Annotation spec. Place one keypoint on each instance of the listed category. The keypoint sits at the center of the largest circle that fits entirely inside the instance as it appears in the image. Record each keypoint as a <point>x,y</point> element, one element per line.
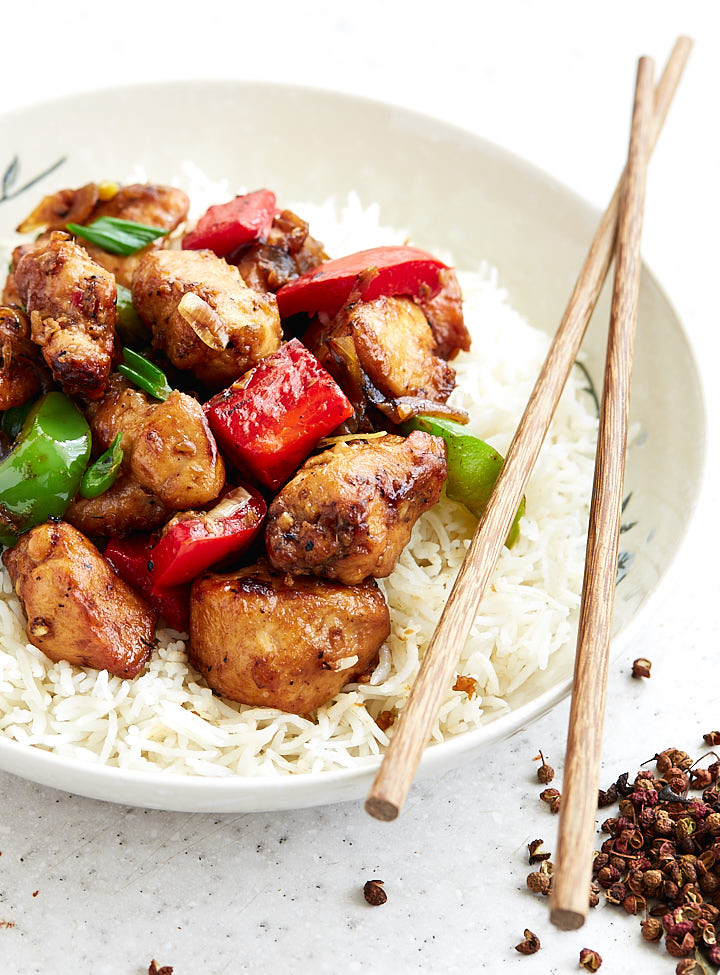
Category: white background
<point>117,886</point>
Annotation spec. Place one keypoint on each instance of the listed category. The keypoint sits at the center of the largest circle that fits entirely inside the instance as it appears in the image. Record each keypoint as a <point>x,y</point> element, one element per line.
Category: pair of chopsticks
<point>621,220</point>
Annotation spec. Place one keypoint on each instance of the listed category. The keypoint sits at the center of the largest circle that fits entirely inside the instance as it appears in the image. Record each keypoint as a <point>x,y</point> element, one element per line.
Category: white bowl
<point>452,190</point>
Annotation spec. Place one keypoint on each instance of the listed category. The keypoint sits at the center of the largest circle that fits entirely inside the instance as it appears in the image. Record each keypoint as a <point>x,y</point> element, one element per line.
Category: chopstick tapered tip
<point>565,919</point>
<point>381,809</point>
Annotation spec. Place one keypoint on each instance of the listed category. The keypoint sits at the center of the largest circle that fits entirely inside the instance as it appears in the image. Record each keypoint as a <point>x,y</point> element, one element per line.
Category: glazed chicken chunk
<point>77,608</point>
<point>20,371</point>
<point>125,507</point>
<point>168,447</point>
<point>71,303</point>
<point>395,347</point>
<point>444,312</point>
<point>156,206</point>
<point>203,316</point>
<point>10,294</point>
<point>349,511</point>
<point>284,642</point>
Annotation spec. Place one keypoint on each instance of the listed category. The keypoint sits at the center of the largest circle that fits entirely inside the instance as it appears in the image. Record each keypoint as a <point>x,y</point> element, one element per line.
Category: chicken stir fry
<point>124,508</point>
<point>395,348</point>
<point>283,641</point>
<point>203,316</point>
<point>77,608</point>
<point>21,377</point>
<point>348,512</point>
<point>167,446</point>
<point>166,390</point>
<point>71,303</point>
<point>164,207</point>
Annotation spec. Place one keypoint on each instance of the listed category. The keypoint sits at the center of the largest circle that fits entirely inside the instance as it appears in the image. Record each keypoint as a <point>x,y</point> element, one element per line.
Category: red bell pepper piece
<point>189,545</point>
<point>228,225</point>
<point>271,418</point>
<point>129,557</point>
<point>400,271</point>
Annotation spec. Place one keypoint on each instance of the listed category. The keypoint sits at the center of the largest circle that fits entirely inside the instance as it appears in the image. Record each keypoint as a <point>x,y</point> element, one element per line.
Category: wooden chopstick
<point>571,881</point>
<point>395,775</point>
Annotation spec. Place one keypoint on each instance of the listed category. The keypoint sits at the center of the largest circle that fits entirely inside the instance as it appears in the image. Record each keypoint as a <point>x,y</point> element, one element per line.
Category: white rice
<point>168,719</point>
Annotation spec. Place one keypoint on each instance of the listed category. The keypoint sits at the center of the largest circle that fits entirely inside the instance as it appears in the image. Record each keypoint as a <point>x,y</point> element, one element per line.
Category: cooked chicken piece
<point>124,508</point>
<point>10,294</point>
<point>348,512</point>
<point>283,642</point>
<point>445,314</point>
<point>394,345</point>
<point>71,303</point>
<point>77,608</point>
<point>288,252</point>
<point>203,315</point>
<point>168,446</point>
<point>156,206</point>
<point>21,369</point>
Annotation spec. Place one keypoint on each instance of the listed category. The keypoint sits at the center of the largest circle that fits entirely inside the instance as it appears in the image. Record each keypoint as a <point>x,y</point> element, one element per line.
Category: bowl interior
<point>453,191</point>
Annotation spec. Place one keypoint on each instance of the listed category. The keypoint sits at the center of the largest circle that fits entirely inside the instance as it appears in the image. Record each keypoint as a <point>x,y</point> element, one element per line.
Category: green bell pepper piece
<point>129,326</point>
<point>473,467</point>
<point>101,474</point>
<point>41,475</point>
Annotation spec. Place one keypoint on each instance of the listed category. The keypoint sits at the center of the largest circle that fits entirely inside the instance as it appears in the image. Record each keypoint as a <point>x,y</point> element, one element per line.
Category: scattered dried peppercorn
<point>534,856</point>
<point>641,667</point>
<point>467,684</point>
<point>385,720</point>
<point>374,892</point>
<point>623,789</point>
<point>530,944</point>
<point>552,798</point>
<point>662,856</point>
<point>539,882</point>
<point>700,778</point>
<point>689,966</point>
<point>590,960</point>
<point>712,738</point>
<point>546,773</point>
<point>608,797</point>
<point>154,970</point>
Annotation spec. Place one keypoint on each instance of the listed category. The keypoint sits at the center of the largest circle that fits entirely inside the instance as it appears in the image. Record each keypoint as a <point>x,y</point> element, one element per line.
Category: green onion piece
<point>14,418</point>
<point>102,473</point>
<point>118,236</point>
<point>473,467</point>
<point>129,326</point>
<point>144,374</point>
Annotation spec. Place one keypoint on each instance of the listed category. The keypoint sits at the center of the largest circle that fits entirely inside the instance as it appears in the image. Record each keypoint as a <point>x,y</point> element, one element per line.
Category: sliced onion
<point>61,208</point>
<point>204,321</point>
<point>344,663</point>
<point>230,504</point>
<point>348,437</point>
<point>406,407</point>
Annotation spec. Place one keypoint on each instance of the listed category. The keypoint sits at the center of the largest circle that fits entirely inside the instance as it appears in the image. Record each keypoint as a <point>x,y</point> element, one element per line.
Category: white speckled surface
<point>218,894</point>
